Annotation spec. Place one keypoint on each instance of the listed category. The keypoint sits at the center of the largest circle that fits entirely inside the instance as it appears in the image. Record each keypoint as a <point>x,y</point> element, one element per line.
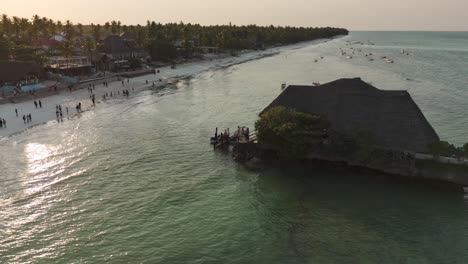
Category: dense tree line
<point>158,39</point>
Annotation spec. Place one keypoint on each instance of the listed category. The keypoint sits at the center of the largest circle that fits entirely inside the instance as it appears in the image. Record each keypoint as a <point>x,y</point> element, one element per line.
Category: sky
<point>430,15</point>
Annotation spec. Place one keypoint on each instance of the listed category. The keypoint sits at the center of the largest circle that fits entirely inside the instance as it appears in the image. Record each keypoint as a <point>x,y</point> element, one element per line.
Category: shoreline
<point>168,76</point>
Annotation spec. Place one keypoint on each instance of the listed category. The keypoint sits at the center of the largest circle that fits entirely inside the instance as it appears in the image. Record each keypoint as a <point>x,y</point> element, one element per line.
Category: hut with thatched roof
<point>391,117</point>
<point>16,71</point>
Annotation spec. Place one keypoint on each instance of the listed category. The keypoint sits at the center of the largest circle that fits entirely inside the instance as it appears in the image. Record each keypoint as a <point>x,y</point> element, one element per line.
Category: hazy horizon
<point>355,15</point>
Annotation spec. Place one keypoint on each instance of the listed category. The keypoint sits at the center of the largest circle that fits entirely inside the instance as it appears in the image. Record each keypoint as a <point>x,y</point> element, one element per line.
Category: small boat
<point>349,57</point>
<point>315,84</point>
<point>388,60</point>
<point>315,60</point>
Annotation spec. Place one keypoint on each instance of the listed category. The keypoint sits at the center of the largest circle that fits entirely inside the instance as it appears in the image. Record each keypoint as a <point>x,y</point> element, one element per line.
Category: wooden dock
<point>243,147</point>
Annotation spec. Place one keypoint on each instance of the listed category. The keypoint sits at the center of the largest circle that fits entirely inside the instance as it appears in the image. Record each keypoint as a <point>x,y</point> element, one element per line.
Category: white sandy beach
<point>47,113</point>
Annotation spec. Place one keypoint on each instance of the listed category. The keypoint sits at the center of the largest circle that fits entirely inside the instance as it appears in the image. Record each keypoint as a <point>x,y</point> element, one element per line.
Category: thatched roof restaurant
<point>392,117</point>
<point>14,71</point>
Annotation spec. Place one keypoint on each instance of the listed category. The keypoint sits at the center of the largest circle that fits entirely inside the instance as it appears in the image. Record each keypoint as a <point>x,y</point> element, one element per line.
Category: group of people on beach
<point>38,104</point>
<point>111,94</point>
<point>78,107</point>
<point>2,123</point>
<point>27,118</point>
<point>154,84</point>
<point>59,114</point>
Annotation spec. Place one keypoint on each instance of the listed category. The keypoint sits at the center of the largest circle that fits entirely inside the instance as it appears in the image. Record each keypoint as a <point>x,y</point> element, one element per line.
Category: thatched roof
<point>16,70</point>
<point>392,117</point>
<point>115,44</point>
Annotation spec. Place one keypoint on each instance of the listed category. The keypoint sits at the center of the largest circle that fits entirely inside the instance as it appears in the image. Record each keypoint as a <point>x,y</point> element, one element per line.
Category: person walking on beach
<point>35,104</point>
<point>40,104</point>
<point>57,115</point>
<point>1,123</point>
<point>4,123</point>
<point>24,119</point>
<point>16,112</point>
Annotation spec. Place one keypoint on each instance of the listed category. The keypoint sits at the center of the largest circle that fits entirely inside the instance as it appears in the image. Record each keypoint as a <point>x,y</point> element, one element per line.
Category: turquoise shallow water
<point>136,182</point>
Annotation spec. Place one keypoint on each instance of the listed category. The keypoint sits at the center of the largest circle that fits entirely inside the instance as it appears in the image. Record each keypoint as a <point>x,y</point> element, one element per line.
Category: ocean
<point>136,181</point>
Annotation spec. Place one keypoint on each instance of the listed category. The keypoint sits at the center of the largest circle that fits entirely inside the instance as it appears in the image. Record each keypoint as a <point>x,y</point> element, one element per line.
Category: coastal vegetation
<point>21,37</point>
<point>293,134</point>
<point>445,149</point>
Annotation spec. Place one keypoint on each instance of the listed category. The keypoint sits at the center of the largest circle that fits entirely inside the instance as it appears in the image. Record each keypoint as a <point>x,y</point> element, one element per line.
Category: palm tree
<point>89,44</point>
<point>59,26</point>
<point>5,48</point>
<point>6,25</point>
<point>51,27</point>
<point>66,48</point>
<point>107,27</point>
<point>25,29</point>
<point>16,27</point>
<point>114,27</point>
<point>80,29</point>
<point>119,27</point>
<point>69,30</point>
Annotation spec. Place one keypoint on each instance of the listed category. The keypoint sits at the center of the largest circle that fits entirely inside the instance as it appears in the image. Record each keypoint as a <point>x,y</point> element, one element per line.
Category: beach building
<point>18,77</point>
<point>69,66</point>
<point>397,137</point>
<point>116,52</point>
<point>392,117</point>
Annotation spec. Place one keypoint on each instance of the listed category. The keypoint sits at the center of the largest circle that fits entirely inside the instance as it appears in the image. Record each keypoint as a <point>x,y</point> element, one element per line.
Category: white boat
<point>388,60</point>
